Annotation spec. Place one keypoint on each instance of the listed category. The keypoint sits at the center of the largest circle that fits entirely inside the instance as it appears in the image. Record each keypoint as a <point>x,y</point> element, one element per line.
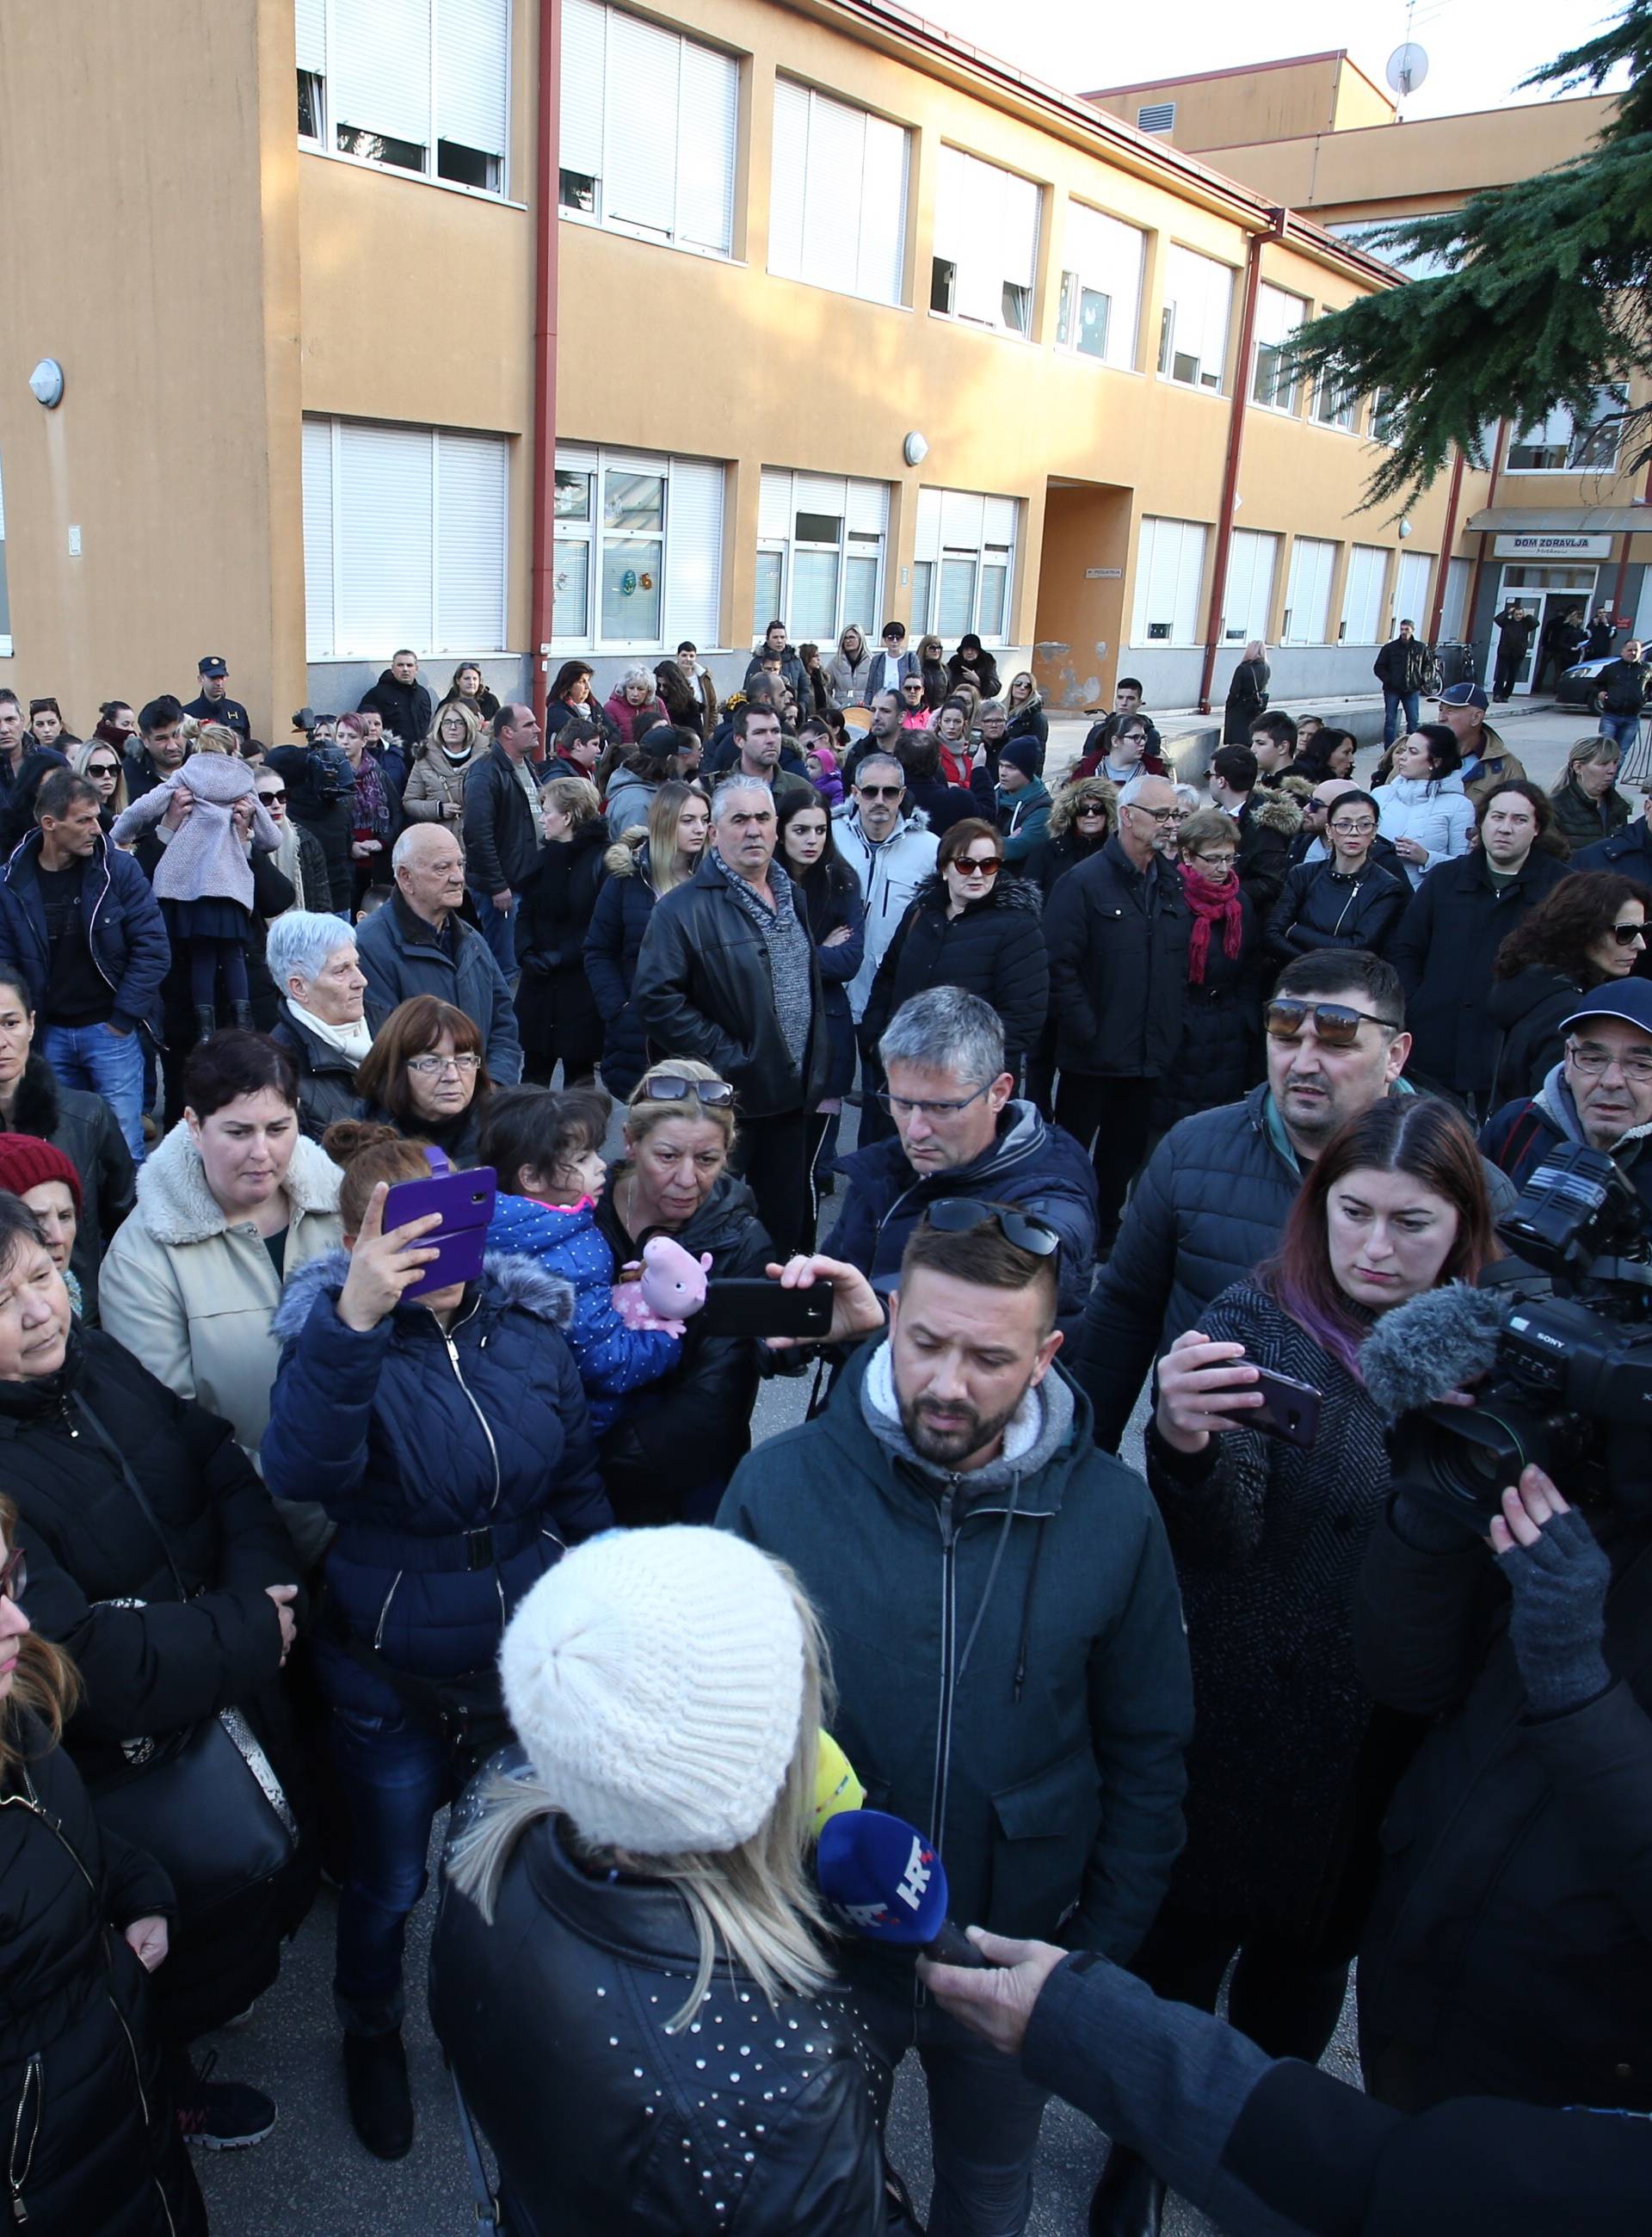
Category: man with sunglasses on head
<point>1006,1638</point>
<point>1599,1093</point>
<point>1214,1198</point>
<point>960,1130</point>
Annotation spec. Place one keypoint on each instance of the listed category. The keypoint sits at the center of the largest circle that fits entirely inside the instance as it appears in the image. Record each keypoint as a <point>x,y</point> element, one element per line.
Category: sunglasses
<point>14,1575</point>
<point>880,791</point>
<point>974,866</point>
<point>962,1215</point>
<point>671,1087</point>
<point>279,794</point>
<point>1627,934</point>
<point>1334,1024</point>
<point>103,769</point>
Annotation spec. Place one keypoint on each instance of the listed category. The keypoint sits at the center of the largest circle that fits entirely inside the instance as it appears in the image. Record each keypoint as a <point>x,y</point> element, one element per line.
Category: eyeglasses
<point>14,1575</point>
<point>880,791</point>
<point>912,683</point>
<point>280,792</point>
<point>1159,815</point>
<point>1224,861</point>
<point>961,1215</point>
<point>1354,830</point>
<point>910,1107</point>
<point>1627,934</point>
<point>1334,1023</point>
<point>428,1067</point>
<point>977,866</point>
<point>671,1087</point>
<point>1591,1060</point>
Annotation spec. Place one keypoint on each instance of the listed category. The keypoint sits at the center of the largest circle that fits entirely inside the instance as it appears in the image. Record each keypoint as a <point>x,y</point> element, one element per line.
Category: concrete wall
<point>1263,101</point>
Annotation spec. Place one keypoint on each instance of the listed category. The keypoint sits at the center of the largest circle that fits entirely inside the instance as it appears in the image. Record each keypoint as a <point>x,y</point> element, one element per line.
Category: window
<point>1559,445</point>
<point>1307,592</point>
<point>1170,572</point>
<point>986,245</point>
<point>1101,287</point>
<point>820,554</point>
<point>1412,581</point>
<point>1361,596</point>
<point>1156,116</point>
<point>1333,401</point>
<point>5,595</point>
<point>837,196</point>
<point>421,85</point>
<point>1382,429</point>
<point>1455,611</point>
<point>1277,317</point>
<point>965,555</point>
<point>405,540</point>
<point>638,551</point>
<point>650,125</point>
<point>1428,265</point>
<point>1192,332</point>
<point>1248,600</point>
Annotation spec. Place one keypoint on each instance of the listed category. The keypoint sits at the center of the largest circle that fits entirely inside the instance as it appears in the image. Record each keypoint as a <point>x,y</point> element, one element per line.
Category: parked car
<point>1578,686</point>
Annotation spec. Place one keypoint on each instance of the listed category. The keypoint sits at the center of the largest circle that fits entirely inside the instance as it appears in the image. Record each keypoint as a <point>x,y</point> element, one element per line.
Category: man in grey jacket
<point>417,944</point>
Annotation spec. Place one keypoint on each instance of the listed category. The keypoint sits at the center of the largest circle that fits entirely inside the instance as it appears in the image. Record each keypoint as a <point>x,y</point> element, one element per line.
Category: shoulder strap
<point>101,1437</point>
<point>487,2208</point>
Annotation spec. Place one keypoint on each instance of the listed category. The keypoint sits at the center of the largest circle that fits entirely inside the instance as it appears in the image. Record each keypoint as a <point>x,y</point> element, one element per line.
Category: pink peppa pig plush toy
<point>662,1290</point>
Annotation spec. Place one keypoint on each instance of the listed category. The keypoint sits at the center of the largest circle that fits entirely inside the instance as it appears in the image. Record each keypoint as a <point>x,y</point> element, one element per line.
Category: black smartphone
<point>741,1304</point>
<point>1291,1409</point>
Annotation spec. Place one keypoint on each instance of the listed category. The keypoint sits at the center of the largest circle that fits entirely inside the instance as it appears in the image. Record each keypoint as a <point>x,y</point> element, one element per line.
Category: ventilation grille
<point>1157,117</point>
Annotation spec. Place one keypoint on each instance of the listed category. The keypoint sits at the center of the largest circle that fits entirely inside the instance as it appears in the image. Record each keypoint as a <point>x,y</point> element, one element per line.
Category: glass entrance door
<point>1545,592</point>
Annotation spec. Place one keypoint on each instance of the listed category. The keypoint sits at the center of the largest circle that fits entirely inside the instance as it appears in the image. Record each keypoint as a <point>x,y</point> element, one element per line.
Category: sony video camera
<point>1570,1382</point>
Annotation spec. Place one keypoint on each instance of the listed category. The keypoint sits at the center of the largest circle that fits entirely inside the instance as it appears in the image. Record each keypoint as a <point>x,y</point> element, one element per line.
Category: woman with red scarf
<point>1217,1055</point>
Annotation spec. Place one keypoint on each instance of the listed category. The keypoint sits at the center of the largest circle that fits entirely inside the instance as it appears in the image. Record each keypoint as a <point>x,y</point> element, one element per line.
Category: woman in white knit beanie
<point>629,1977</point>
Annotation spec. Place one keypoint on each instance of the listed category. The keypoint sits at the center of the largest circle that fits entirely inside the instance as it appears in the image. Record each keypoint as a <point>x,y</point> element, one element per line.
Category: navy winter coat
<point>456,1465</point>
<point>624,902</point>
<point>123,928</point>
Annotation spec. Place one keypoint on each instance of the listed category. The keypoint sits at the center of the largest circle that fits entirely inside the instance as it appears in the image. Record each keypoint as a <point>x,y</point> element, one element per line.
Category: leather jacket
<point>750,2121</point>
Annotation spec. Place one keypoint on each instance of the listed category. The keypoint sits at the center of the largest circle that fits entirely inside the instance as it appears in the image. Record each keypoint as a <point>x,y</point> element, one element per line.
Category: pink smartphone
<point>466,1204</point>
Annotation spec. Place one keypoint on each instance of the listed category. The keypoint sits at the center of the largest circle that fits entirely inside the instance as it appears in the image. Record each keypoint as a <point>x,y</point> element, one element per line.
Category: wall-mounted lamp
<point>1405,528</point>
<point>916,449</point>
<point>47,383</point>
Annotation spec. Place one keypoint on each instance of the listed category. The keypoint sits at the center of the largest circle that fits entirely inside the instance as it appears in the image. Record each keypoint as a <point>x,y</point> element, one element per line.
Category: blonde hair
<point>1579,755</point>
<point>573,796</point>
<point>665,814</point>
<point>755,1901</point>
<point>81,756</point>
<point>642,1116</point>
<point>46,1683</point>
<point>215,739</point>
<point>466,714</point>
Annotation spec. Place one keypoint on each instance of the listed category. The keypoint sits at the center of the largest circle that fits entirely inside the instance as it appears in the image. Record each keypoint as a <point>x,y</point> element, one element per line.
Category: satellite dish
<point>1407,67</point>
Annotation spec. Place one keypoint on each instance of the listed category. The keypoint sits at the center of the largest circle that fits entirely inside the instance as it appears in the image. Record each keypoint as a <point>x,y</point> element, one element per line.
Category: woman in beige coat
<point>435,790</point>
<point>233,1200</point>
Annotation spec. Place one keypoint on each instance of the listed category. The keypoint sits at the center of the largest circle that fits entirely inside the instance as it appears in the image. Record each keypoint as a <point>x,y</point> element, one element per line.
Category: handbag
<point>205,1802</point>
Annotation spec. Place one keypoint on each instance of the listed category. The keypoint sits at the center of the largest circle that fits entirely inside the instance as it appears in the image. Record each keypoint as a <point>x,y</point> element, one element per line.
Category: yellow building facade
<point>833,319</point>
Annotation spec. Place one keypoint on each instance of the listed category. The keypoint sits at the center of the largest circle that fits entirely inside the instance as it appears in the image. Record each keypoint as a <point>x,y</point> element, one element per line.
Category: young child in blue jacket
<point>547,1149</point>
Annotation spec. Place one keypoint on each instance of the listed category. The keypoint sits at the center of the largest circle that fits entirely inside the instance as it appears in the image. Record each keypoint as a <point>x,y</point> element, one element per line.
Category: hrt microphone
<point>884,1881</point>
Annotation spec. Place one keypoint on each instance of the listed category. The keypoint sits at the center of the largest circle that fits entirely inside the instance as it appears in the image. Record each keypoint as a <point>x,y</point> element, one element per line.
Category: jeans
<point>984,2117</point>
<point>1625,728</point>
<point>498,931</point>
<point>109,1063</point>
<point>1393,701</point>
<point>394,1775</point>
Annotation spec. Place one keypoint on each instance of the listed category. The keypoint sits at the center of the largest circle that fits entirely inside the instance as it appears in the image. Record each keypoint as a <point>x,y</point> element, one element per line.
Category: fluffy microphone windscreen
<point>836,1787</point>
<point>882,1877</point>
<point>1435,1343</point>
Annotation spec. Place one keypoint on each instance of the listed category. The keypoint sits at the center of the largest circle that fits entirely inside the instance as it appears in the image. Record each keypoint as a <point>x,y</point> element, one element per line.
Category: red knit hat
<point>25,1161</point>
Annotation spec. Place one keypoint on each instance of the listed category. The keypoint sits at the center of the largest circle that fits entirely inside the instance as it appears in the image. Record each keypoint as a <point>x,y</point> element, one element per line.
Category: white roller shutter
<point>832,225</point>
<point>1170,566</point>
<point>381,68</point>
<point>1410,594</point>
<point>962,516</point>
<point>707,134</point>
<point>788,180</point>
<point>927,543</point>
<point>640,112</point>
<point>692,605</point>
<point>318,539</point>
<point>1457,599</point>
<point>1018,206</point>
<point>1307,592</point>
<point>473,73</point>
<point>309,36</point>
<point>1362,601</point>
<point>999,524</point>
<point>383,496</point>
<point>981,269</point>
<point>1251,556</point>
<point>868,509</point>
<point>817,493</point>
<point>951,225</point>
<point>472,487</point>
<point>773,505</point>
<point>883,187</point>
<point>584,36</point>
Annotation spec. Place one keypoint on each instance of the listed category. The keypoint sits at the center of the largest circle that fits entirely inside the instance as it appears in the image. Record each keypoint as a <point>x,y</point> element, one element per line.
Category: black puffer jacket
<point>1118,951</point>
<point>405,708</point>
<point>994,948</point>
<point>88,2142</point>
<point>1216,1055</point>
<point>613,941</point>
<point>551,921</point>
<point>1582,821</point>
<point>1444,950</point>
<point>1319,908</point>
<point>704,988</point>
<point>325,1077</point>
<point>1511,1946</point>
<point>752,2122</point>
<point>683,1438</point>
<point>1247,697</point>
<point>501,846</point>
<point>83,1127</point>
<point>1052,859</point>
<point>161,1642</point>
<point>1268,826</point>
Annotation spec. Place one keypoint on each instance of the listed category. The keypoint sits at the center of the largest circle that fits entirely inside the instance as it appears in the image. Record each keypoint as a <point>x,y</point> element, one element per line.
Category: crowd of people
<point>307,1532</point>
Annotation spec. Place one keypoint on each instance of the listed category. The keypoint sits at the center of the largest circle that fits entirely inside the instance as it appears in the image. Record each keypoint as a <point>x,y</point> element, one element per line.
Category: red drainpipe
<point>1480,556</point>
<point>542,563</point>
<point>1235,444</point>
<point>1443,571</point>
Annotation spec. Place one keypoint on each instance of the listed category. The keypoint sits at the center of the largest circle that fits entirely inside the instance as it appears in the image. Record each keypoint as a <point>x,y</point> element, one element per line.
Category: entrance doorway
<point>1548,592</point>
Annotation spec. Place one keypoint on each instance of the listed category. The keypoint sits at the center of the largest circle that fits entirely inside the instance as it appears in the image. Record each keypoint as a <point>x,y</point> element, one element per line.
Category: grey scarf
<point>788,949</point>
<point>1035,1433</point>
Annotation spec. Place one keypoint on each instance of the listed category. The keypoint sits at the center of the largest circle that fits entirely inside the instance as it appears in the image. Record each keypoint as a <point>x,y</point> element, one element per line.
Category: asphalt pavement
<point>310,2178</point>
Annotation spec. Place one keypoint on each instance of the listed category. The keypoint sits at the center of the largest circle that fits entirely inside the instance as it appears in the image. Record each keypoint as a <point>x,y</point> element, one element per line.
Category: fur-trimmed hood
<point>507,1279</point>
<point>628,857</point>
<point>1007,893</point>
<point>175,1205</point>
<point>1275,812</point>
